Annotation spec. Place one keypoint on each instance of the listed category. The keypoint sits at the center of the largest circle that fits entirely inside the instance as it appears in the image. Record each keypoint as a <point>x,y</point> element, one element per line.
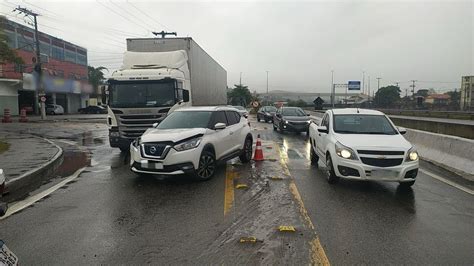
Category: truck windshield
<point>363,124</point>
<point>137,95</point>
<point>186,119</point>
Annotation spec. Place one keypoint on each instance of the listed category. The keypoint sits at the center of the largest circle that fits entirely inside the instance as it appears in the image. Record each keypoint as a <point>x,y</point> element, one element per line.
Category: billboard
<point>353,85</point>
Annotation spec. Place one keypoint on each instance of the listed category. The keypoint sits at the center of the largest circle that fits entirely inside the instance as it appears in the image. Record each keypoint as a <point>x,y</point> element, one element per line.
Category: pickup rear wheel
<point>246,155</point>
<point>330,174</point>
<point>207,166</point>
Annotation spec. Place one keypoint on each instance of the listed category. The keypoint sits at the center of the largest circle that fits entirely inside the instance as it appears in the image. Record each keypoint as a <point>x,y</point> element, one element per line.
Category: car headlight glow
<point>412,155</point>
<point>286,122</point>
<point>309,121</point>
<point>345,152</point>
<point>187,145</point>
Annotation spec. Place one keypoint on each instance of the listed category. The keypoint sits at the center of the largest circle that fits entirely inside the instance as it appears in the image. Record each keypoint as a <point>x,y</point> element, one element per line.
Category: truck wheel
<point>314,158</point>
<point>246,155</point>
<point>407,184</point>
<point>330,174</point>
<point>207,166</point>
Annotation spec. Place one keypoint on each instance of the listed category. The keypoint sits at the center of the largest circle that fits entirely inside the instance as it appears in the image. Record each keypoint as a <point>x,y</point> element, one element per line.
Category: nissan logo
<point>152,149</point>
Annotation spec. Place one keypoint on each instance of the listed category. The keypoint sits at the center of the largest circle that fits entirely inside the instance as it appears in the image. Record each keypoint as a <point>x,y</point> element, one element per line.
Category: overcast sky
<point>299,43</point>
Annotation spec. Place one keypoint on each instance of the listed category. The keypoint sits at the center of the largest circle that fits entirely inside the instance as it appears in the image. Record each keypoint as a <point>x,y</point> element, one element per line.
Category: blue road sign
<point>353,85</point>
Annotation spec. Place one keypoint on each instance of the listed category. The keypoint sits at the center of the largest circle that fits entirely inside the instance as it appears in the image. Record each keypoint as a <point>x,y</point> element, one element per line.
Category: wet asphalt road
<point>109,215</point>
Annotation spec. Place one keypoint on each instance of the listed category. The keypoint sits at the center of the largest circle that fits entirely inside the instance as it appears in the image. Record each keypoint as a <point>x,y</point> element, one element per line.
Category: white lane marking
<point>20,205</point>
<point>72,143</point>
<point>435,176</point>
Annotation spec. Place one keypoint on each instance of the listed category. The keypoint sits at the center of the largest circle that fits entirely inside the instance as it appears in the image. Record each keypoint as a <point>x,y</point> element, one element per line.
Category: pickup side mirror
<point>323,129</point>
<point>402,130</point>
<point>185,96</point>
<point>220,126</point>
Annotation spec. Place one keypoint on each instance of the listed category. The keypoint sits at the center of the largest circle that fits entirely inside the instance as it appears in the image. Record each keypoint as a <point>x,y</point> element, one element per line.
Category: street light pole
<point>332,88</point>
<point>268,96</point>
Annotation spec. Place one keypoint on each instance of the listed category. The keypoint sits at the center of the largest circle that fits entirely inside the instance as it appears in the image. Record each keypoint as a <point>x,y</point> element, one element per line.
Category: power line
<point>167,28</point>
<point>130,13</point>
<point>115,12</point>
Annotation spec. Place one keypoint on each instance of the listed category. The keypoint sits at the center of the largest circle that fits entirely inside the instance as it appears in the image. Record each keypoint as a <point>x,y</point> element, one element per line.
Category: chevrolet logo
<point>381,157</point>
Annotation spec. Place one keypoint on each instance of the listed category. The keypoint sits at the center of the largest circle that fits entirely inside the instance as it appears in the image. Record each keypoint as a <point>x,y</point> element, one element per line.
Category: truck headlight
<point>190,144</point>
<point>412,155</point>
<point>345,152</point>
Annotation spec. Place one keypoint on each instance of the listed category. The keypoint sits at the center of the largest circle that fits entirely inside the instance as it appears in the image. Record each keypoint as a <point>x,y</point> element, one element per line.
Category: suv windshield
<point>292,112</point>
<point>195,119</point>
<point>142,95</point>
<point>363,124</point>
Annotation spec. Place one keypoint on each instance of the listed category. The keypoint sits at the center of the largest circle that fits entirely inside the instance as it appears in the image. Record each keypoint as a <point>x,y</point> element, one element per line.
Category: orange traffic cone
<point>258,156</point>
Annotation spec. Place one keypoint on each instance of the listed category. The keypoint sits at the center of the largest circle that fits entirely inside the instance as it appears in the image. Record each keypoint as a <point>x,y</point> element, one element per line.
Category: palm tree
<point>96,77</point>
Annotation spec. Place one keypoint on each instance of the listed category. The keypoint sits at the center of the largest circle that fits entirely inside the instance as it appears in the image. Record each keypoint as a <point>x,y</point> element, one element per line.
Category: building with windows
<point>467,89</point>
<point>64,67</point>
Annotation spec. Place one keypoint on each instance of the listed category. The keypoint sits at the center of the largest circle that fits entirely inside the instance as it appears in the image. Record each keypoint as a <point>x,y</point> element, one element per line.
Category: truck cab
<point>143,91</point>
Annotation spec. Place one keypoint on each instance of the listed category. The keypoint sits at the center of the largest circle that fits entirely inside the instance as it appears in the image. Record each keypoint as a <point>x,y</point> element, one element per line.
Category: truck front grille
<point>133,126</point>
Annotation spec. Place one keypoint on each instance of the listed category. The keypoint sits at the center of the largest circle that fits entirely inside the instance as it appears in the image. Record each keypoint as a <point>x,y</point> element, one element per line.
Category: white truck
<point>157,76</point>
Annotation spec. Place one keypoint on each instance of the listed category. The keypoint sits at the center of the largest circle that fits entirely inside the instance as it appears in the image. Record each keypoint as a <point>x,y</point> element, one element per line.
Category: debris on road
<point>249,239</point>
<point>286,228</point>
<point>241,186</point>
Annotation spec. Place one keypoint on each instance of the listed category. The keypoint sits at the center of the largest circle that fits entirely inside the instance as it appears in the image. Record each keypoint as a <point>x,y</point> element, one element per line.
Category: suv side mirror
<point>323,129</point>
<point>185,96</point>
<point>402,130</point>
<point>220,126</point>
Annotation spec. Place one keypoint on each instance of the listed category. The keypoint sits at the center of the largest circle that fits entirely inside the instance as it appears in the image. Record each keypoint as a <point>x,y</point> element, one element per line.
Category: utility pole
<point>332,89</point>
<point>413,87</point>
<point>164,33</point>
<point>267,82</point>
<point>368,87</point>
<point>240,80</point>
<point>378,83</point>
<point>268,96</point>
<point>363,82</point>
<point>37,67</point>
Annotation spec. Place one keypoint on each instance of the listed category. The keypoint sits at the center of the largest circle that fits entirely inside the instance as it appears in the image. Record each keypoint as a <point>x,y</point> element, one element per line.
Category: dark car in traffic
<point>266,113</point>
<point>291,119</point>
<point>92,109</point>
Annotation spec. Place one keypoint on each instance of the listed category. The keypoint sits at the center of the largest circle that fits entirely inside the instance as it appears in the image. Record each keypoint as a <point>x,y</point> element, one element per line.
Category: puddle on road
<point>72,161</point>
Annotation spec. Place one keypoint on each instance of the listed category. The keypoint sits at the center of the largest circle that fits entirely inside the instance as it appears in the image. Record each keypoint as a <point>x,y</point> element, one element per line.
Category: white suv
<point>363,145</point>
<point>192,140</point>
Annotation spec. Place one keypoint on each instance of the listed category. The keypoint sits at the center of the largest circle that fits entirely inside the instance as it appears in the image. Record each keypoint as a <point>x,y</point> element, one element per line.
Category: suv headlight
<point>412,155</point>
<point>136,142</point>
<point>345,152</point>
<point>190,144</point>
<point>286,122</point>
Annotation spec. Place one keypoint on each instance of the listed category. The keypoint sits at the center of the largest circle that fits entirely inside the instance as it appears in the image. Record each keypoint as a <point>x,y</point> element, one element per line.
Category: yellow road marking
<point>229,189</point>
<point>317,254</point>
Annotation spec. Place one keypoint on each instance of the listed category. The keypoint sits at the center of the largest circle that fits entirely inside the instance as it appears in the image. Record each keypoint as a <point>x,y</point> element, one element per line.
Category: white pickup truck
<point>363,144</point>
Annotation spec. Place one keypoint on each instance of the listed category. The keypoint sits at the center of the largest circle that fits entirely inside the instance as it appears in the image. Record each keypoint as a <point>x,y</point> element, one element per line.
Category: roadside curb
<point>20,186</point>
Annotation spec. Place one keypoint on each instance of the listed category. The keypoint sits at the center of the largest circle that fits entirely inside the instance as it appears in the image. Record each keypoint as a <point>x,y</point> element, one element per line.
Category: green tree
<point>96,76</point>
<point>455,98</point>
<point>387,96</point>
<point>7,55</point>
<point>239,95</point>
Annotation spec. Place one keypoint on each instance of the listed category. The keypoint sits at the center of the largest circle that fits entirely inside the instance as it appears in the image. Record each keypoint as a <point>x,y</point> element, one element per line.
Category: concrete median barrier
<point>453,153</point>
